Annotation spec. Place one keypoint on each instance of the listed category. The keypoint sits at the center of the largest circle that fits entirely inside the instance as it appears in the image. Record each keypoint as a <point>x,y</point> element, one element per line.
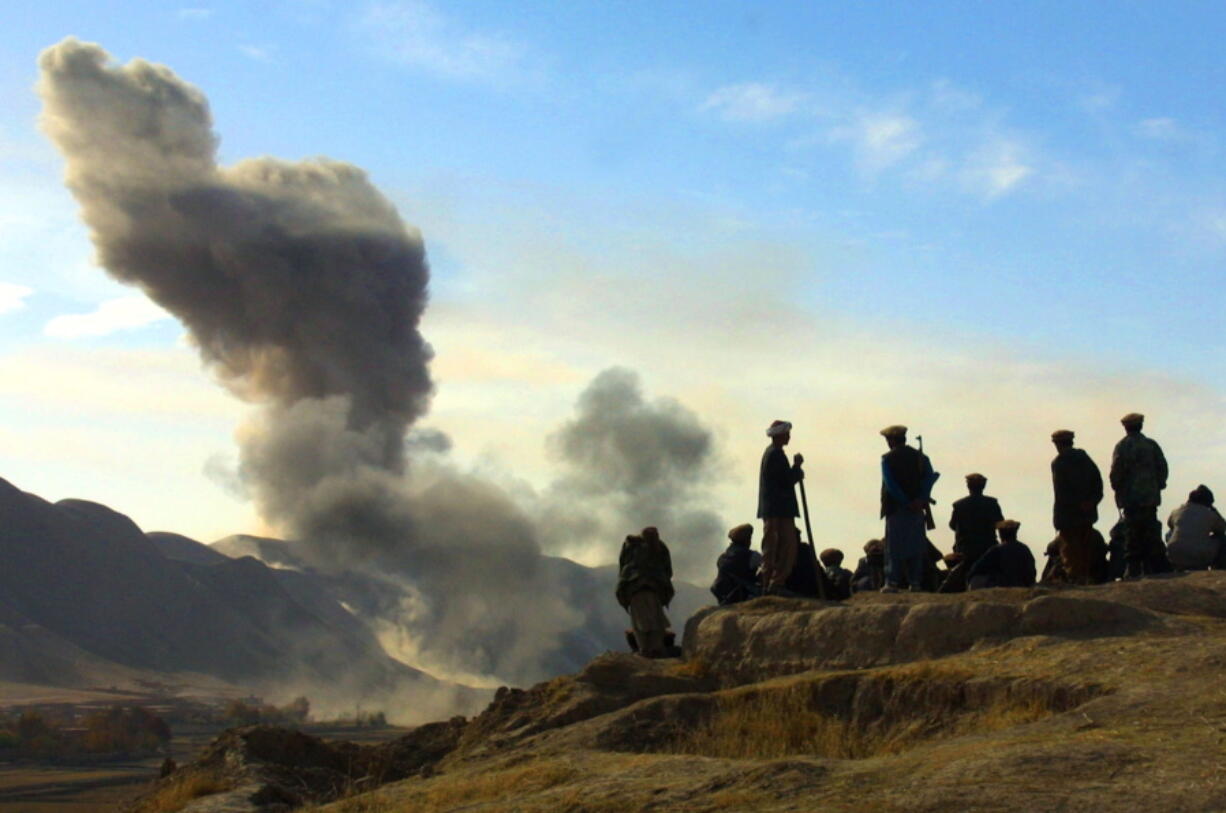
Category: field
<point>99,787</point>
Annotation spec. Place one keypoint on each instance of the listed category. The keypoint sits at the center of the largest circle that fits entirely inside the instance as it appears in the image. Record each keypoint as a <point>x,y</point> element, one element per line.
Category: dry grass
<point>695,668</point>
<point>520,780</point>
<point>791,720</point>
<point>177,794</point>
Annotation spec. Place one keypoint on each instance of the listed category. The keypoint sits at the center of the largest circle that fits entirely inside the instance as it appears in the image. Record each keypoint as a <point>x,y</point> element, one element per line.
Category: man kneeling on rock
<point>737,569</point>
<point>645,588</point>
<point>1009,564</point>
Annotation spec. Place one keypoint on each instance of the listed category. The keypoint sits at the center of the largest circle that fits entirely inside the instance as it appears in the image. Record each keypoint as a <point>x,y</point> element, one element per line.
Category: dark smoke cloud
<point>630,462</point>
<point>303,291</point>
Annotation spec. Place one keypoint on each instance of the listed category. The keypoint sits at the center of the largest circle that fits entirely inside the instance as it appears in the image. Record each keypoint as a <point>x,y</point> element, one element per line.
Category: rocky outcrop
<point>769,637</point>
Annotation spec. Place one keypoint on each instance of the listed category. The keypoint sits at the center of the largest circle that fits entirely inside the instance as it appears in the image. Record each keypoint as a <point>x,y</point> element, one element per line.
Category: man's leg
<point>1075,554</point>
<point>770,551</point>
<point>1137,532</point>
<point>789,550</point>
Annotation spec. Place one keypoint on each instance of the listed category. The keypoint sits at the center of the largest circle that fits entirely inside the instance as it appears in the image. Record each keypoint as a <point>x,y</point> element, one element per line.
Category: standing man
<point>1138,475</point>
<point>1078,487</point>
<point>777,508</point>
<point>974,521</point>
<point>645,588</point>
<point>906,485</point>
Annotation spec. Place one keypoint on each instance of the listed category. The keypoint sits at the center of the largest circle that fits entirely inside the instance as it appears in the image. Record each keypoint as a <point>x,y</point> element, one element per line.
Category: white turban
<point>778,428</point>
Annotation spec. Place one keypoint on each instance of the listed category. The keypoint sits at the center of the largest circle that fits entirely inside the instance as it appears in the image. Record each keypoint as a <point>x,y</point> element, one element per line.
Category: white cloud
<point>752,102</point>
<point>415,33</point>
<point>880,140</point>
<point>195,13</point>
<point>13,297</point>
<point>257,52</point>
<point>997,168</point>
<point>124,313</point>
<point>1162,129</point>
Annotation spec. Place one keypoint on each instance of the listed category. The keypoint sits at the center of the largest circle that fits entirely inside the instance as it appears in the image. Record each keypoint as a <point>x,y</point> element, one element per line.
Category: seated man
<point>1053,571</point>
<point>870,570</point>
<point>645,588</point>
<point>1008,564</point>
<point>737,569</point>
<point>1197,530</point>
<point>840,577</point>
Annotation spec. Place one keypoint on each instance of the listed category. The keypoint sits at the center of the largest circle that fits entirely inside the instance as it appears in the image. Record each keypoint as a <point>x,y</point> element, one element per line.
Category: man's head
<point>831,557</point>
<point>1201,495</point>
<point>1006,529</point>
<point>894,435</point>
<point>1063,438</point>
<point>780,432</point>
<point>741,535</point>
<point>650,534</point>
<point>1133,422</point>
<point>976,483</point>
<point>874,546</point>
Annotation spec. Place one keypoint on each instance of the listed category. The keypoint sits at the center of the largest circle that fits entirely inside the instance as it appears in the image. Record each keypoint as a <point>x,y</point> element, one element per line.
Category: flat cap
<point>894,431</point>
<point>1132,417</point>
<point>1062,434</point>
<point>831,556</point>
<point>1008,525</point>
<point>873,544</point>
<point>976,477</point>
<point>741,534</point>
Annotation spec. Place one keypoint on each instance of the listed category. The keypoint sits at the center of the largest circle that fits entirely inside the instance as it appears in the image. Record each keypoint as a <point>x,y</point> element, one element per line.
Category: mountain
<point>85,595</point>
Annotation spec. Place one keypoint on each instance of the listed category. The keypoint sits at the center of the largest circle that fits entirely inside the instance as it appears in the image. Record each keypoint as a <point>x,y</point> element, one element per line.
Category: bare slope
<point>1106,698</point>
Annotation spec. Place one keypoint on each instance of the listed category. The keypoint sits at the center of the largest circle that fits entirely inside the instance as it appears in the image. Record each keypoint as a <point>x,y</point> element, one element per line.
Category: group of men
<point>986,552</point>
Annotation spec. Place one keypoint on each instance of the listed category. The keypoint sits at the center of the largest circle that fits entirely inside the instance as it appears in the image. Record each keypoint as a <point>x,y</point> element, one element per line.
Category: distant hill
<point>87,597</point>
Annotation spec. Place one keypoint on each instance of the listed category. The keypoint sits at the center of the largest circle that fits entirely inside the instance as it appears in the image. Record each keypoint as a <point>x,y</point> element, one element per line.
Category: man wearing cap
<point>777,508</point>
<point>736,570</point>
<point>645,588</point>
<point>1009,564</point>
<point>839,576</point>
<point>1078,488</point>
<point>1138,475</point>
<point>906,485</point>
<point>974,519</point>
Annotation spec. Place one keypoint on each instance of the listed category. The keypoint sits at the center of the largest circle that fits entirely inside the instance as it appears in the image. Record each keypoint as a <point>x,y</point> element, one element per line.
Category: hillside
<point>88,599</point>
<point>1105,698</point>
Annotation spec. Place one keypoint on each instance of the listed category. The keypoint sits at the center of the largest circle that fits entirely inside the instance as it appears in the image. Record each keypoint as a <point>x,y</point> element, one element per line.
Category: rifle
<point>929,522</point>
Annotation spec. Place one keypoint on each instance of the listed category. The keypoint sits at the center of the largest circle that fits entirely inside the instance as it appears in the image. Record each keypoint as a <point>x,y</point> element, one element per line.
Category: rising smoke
<point>303,291</point>
<point>627,461</point>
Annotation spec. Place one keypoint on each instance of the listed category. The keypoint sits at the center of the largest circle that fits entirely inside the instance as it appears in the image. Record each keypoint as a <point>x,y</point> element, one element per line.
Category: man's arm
<point>1096,480</point>
<point>891,485</point>
<point>1163,471</point>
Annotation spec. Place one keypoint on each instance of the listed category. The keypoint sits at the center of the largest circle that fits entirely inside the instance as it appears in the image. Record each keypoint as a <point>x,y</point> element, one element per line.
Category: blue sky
<point>1016,211</point>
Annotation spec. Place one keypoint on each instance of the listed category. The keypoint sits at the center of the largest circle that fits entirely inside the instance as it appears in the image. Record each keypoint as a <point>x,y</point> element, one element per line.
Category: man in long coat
<point>1138,476</point>
<point>1078,488</point>
<point>777,508</point>
<point>645,588</point>
<point>974,519</point>
<point>906,485</point>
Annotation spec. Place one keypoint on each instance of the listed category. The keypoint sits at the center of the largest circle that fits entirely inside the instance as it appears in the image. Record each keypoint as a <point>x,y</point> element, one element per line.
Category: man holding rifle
<point>906,487</point>
<point>777,508</point>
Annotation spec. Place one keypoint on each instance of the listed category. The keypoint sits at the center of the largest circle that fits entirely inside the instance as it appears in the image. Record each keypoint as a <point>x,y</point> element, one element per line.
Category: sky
<point>985,221</point>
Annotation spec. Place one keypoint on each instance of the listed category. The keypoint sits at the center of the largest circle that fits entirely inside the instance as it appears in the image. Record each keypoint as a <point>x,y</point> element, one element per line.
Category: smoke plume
<point>303,291</point>
<point>627,463</point>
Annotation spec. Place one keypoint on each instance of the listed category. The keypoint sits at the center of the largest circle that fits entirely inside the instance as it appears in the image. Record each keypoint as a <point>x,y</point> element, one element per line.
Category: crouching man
<point>645,588</point>
<point>737,569</point>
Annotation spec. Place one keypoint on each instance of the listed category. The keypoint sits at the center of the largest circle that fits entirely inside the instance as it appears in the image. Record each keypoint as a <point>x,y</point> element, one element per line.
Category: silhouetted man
<point>1008,564</point>
<point>1078,488</point>
<point>870,570</point>
<point>736,571</point>
<point>1138,475</point>
<point>839,576</point>
<point>973,521</point>
<point>777,508</point>
<point>906,484</point>
<point>1198,533</point>
<point>645,588</point>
